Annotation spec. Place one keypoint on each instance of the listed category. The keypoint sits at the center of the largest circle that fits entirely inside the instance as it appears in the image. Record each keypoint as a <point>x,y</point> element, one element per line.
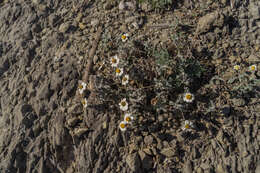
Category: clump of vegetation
<point>246,82</point>
<point>145,82</point>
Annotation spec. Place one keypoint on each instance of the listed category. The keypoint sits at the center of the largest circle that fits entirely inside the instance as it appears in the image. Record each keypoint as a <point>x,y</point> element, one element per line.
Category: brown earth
<point>46,48</point>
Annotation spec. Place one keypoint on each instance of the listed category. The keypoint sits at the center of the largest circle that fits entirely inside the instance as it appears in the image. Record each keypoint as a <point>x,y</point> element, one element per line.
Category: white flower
<point>122,126</point>
<point>253,68</point>
<point>187,125</point>
<point>128,118</point>
<point>114,61</point>
<point>188,97</point>
<point>84,102</point>
<point>119,71</point>
<point>124,37</point>
<point>236,67</point>
<point>123,105</point>
<point>82,87</point>
<point>56,59</point>
<point>125,79</point>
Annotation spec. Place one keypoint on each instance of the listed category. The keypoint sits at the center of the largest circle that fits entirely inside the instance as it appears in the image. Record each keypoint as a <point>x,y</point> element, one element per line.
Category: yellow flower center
<point>188,96</point>
<point>118,70</point>
<point>80,86</point>
<point>187,126</point>
<point>252,67</point>
<point>123,37</point>
<point>123,103</point>
<point>124,79</point>
<point>236,67</point>
<point>122,125</point>
<point>83,102</point>
<point>127,119</point>
<point>113,60</point>
<point>154,101</point>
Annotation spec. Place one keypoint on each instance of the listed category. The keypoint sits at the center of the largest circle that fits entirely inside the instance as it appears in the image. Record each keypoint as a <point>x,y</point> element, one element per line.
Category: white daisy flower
<point>128,118</point>
<point>82,87</point>
<point>119,71</point>
<point>124,37</point>
<point>123,105</point>
<point>84,102</point>
<point>253,68</point>
<point>125,79</point>
<point>56,59</point>
<point>122,126</point>
<point>114,61</point>
<point>236,67</point>
<point>188,97</point>
<point>187,125</point>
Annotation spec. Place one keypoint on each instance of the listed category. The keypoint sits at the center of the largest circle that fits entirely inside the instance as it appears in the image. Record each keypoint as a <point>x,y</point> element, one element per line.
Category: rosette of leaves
<point>246,86</point>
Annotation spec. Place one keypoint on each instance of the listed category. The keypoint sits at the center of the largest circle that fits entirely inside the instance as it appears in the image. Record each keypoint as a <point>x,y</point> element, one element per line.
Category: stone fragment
<point>131,5</point>
<point>44,93</point>
<point>204,166</point>
<point>75,109</point>
<point>220,169</point>
<point>224,2</point>
<point>225,110</point>
<point>133,161</point>
<point>147,161</point>
<point>64,27</point>
<point>146,6</point>
<point>195,153</point>
<point>209,21</point>
<point>238,102</point>
<point>187,167</point>
<point>253,58</point>
<point>228,75</point>
<point>255,11</point>
<point>148,140</point>
<point>122,5</point>
<point>127,5</point>
<point>94,22</point>
<point>82,26</point>
<point>168,152</point>
<point>148,151</point>
<point>108,5</point>
<point>72,121</point>
<point>199,170</point>
<point>258,167</point>
<point>53,19</point>
<point>79,17</point>
<point>80,131</point>
<point>36,28</point>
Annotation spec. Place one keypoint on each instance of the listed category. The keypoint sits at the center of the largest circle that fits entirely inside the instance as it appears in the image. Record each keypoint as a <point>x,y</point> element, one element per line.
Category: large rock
<point>208,22</point>
<point>133,161</point>
<point>147,161</point>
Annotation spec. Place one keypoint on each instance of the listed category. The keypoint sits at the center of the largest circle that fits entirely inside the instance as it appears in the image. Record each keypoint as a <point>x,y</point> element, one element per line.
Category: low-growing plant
<point>247,84</point>
<point>144,80</point>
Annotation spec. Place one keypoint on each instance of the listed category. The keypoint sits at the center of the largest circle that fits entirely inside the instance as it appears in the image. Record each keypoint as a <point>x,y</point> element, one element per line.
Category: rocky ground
<point>44,51</point>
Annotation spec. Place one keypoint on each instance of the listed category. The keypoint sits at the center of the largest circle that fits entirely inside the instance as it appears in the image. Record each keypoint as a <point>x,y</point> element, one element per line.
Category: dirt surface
<point>48,48</point>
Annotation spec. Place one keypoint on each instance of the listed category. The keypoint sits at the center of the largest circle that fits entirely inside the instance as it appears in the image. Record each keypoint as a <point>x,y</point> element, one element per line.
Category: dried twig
<point>91,55</point>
